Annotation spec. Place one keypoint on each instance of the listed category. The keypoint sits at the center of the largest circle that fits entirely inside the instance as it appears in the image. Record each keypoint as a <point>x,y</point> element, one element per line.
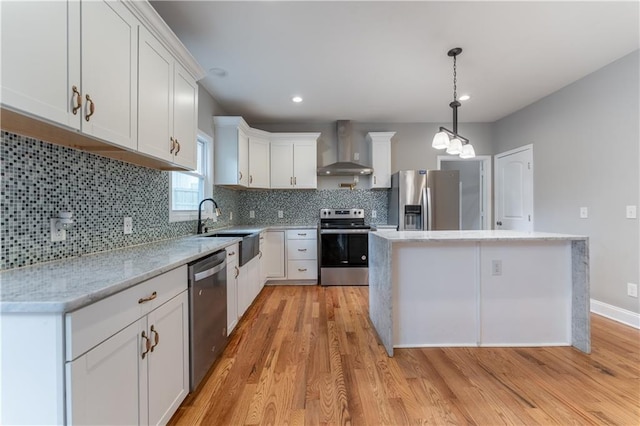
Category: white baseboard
<point>617,314</point>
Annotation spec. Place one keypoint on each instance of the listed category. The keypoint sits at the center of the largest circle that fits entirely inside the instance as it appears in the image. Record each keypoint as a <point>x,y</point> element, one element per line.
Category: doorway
<point>475,189</point>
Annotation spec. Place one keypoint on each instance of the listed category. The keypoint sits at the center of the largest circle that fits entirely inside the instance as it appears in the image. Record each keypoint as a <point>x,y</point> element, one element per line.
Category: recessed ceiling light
<point>465,97</point>
<point>217,71</point>
<point>296,99</point>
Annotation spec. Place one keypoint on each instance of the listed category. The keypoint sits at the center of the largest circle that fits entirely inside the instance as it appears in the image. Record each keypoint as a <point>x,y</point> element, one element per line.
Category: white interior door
<point>514,189</point>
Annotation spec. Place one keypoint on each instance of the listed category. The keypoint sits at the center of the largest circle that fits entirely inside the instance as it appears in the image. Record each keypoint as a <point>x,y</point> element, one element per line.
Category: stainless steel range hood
<point>344,166</point>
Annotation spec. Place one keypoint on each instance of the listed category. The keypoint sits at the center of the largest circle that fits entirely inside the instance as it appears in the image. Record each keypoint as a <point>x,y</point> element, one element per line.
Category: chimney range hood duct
<point>344,166</point>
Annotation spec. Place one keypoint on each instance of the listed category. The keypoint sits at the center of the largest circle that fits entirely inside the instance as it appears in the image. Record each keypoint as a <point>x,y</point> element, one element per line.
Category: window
<point>187,189</point>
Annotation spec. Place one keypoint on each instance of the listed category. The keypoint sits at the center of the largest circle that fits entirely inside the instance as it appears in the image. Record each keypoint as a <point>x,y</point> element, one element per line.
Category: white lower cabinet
<point>263,261</point>
<point>233,273</point>
<point>302,255</point>
<point>140,374</point>
<point>274,255</point>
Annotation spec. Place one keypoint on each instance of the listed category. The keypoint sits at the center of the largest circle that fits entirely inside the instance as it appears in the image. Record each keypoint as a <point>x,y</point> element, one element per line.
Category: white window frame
<point>207,208</point>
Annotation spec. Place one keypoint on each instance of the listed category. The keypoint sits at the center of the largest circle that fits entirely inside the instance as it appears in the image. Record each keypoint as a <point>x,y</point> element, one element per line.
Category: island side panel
<point>435,294</point>
<point>581,303</point>
<point>380,290</point>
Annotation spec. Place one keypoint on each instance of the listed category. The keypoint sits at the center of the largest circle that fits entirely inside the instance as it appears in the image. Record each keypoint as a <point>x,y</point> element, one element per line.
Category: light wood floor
<point>308,355</point>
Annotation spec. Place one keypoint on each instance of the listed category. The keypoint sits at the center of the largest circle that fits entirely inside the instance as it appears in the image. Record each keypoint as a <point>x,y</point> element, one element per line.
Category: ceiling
<point>379,61</point>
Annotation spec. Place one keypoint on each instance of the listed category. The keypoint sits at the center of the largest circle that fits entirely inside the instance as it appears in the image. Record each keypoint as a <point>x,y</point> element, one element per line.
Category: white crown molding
<point>617,314</point>
<point>159,28</point>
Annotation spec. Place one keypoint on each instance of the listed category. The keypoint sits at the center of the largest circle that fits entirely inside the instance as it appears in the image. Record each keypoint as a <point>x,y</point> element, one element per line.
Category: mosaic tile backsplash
<point>300,207</point>
<point>38,180</point>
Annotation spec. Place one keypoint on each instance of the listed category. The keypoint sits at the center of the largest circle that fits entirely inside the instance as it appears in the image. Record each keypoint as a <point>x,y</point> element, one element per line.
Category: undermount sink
<point>249,246</point>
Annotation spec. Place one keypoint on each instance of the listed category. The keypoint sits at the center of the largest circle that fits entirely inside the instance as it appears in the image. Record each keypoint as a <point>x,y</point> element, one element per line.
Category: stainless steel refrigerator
<point>425,200</point>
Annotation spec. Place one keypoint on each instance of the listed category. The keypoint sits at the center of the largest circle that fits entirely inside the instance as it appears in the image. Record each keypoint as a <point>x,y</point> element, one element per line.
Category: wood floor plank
<point>308,355</point>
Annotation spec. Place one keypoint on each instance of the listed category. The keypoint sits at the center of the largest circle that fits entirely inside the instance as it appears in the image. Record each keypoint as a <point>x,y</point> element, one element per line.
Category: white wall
<point>586,142</point>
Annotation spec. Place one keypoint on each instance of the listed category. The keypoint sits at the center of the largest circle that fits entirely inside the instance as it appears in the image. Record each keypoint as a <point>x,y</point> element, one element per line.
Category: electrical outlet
<point>496,267</point>
<point>374,214</point>
<point>584,212</point>
<point>230,215</point>
<point>57,234</point>
<point>128,225</point>
<point>631,212</point>
<point>356,156</point>
<point>252,214</point>
<point>632,289</point>
<point>280,214</point>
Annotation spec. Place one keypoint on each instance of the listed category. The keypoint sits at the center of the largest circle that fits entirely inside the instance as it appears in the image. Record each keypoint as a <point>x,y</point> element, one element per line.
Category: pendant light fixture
<point>454,143</point>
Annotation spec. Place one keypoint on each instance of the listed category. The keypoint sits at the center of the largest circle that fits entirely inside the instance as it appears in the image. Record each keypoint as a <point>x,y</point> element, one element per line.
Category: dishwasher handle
<point>204,274</point>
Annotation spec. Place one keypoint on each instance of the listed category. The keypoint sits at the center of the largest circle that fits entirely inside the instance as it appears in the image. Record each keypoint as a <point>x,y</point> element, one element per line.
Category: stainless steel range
<point>344,247</point>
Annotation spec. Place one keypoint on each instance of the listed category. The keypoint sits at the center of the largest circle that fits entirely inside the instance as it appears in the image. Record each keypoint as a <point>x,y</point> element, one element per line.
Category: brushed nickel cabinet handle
<point>295,180</point>
<point>250,178</point>
<point>260,254</point>
<point>92,108</point>
<point>240,174</point>
<point>177,150</point>
<point>78,99</point>
<point>148,298</point>
<point>173,144</point>
<point>237,272</point>
<point>147,344</point>
<point>374,180</point>
<point>233,253</point>
<point>156,340</point>
<point>302,249</point>
<point>291,181</point>
<point>302,269</point>
<point>302,235</point>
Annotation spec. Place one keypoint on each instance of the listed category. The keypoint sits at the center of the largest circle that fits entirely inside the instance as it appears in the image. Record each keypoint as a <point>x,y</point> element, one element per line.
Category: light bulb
<point>440,140</point>
<point>455,147</point>
<point>467,151</point>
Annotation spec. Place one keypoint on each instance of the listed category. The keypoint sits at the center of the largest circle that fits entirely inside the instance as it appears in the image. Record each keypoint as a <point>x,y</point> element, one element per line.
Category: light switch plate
<point>252,214</point>
<point>374,214</point>
<point>631,212</point>
<point>128,225</point>
<point>57,235</point>
<point>584,212</point>
<point>280,214</point>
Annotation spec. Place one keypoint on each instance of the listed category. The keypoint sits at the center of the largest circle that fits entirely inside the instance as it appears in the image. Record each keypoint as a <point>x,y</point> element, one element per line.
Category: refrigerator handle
<point>427,218</point>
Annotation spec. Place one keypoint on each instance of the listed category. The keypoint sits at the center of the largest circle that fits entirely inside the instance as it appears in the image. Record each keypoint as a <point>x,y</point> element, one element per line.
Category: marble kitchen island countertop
<point>491,235</point>
<point>69,284</point>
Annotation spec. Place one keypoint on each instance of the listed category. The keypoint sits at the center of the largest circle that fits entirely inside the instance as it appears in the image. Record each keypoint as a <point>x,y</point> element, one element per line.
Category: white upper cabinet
<point>75,64</point>
<point>380,158</point>
<point>258,160</point>
<point>167,110</point>
<point>294,160</point>
<point>40,37</point>
<point>109,72</point>
<point>89,85</point>
<point>231,151</point>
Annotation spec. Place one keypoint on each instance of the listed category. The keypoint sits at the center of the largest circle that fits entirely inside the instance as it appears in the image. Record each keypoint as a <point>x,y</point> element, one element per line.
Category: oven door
<point>344,256</point>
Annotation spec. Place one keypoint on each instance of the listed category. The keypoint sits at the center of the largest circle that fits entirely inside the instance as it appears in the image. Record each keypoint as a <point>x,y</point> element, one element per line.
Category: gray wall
<point>207,108</point>
<point>585,143</point>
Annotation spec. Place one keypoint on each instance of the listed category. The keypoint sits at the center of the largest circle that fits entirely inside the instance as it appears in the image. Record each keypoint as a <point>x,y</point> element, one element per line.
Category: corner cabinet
<point>380,158</point>
<point>231,147</point>
<point>294,160</point>
<point>88,50</point>
<point>258,159</point>
<point>168,105</point>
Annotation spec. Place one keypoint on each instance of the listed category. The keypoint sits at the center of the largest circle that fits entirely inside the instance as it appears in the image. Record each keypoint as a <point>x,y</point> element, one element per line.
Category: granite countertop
<point>69,284</point>
<point>491,235</point>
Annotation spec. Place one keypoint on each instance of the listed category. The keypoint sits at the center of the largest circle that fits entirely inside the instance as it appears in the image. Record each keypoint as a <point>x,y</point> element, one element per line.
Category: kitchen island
<point>479,288</point>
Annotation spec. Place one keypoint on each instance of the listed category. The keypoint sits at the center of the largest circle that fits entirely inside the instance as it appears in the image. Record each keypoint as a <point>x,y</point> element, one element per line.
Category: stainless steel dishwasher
<point>207,314</point>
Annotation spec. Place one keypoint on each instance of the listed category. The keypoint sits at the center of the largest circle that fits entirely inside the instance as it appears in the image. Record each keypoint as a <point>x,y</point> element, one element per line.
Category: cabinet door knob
<point>147,344</point>
<point>78,99</point>
<point>92,108</point>
<point>156,340</point>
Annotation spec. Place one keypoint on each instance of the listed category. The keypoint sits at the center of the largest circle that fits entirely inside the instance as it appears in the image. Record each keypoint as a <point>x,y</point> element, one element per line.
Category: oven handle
<point>344,231</point>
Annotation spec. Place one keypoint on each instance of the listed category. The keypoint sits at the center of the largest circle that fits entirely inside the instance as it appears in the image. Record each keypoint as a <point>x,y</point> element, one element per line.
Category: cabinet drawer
<point>301,234</point>
<point>93,324</point>
<point>302,270</point>
<point>232,253</point>
<point>302,249</point>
